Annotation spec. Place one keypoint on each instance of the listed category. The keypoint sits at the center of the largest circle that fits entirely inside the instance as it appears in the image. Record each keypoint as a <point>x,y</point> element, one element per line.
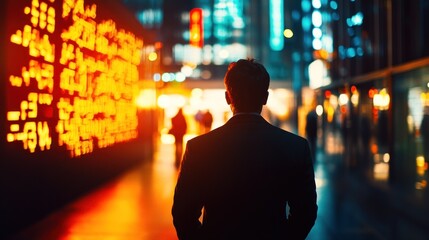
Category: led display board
<point>71,78</point>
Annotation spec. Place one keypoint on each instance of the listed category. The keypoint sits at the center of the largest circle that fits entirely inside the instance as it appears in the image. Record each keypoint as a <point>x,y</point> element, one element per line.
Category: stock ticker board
<point>71,77</point>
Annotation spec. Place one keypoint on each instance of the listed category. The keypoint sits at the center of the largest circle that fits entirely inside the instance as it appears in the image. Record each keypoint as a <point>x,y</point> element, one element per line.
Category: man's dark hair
<point>247,83</point>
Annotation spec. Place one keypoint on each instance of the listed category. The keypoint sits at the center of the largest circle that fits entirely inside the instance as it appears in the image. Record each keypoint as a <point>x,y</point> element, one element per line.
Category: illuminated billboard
<point>196,31</point>
<point>71,78</point>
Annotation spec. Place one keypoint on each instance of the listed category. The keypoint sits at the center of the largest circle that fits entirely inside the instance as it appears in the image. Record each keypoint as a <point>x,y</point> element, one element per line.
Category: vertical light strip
<point>276,25</point>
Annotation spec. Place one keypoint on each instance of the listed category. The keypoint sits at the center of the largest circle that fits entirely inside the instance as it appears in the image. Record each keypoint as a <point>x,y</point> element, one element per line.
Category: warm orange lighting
<point>381,100</point>
<point>374,148</point>
<point>321,54</point>
<point>158,45</point>
<point>152,56</point>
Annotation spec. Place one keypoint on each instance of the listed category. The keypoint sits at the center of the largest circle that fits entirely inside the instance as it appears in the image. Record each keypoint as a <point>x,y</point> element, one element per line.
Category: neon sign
<point>72,79</point>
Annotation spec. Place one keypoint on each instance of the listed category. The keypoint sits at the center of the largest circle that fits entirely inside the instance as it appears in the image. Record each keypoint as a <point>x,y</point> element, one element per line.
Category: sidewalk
<point>366,209</point>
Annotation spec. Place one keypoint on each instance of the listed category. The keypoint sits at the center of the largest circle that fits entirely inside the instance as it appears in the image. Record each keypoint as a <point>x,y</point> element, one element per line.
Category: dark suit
<point>243,174</point>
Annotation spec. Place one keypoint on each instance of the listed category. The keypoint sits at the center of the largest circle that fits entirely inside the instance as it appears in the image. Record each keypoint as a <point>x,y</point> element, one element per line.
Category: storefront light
<point>355,99</point>
<point>381,100</point>
<point>146,99</point>
<point>420,161</point>
<point>343,99</point>
<point>386,157</point>
<point>333,100</point>
<point>421,167</point>
<point>319,110</point>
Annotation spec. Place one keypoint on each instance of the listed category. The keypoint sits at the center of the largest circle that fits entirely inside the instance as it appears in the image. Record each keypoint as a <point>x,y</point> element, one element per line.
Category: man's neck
<point>247,113</point>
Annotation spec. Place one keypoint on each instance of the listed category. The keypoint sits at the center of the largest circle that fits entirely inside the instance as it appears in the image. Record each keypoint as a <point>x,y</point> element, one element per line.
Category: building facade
<point>378,100</point>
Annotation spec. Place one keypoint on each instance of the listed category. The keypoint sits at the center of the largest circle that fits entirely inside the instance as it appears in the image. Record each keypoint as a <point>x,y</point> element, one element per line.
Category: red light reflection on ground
<point>135,206</point>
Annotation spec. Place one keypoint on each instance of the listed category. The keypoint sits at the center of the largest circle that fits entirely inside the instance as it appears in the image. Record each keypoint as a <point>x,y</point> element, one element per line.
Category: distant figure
<point>311,132</point>
<point>243,174</point>
<point>199,119</point>
<point>178,130</point>
<point>207,121</point>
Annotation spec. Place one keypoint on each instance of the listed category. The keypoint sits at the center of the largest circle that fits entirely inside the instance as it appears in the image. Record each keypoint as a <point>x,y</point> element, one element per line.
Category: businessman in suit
<point>242,175</point>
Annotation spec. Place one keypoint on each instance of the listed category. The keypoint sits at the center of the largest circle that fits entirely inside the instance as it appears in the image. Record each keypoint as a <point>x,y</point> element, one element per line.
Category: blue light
<point>296,15</point>
<point>334,5</point>
<point>357,19</point>
<point>296,57</point>
<point>341,52</point>
<point>359,51</point>
<point>357,41</point>
<point>306,23</point>
<point>276,25</point>
<point>351,52</point>
<point>305,5</point>
<point>349,22</point>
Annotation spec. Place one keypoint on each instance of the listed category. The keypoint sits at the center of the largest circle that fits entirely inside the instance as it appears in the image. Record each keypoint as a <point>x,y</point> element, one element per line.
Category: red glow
<point>372,92</point>
<point>158,45</point>
<point>196,27</point>
<point>328,94</point>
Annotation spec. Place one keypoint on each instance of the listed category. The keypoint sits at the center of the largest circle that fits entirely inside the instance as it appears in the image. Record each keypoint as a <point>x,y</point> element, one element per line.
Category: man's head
<point>246,85</point>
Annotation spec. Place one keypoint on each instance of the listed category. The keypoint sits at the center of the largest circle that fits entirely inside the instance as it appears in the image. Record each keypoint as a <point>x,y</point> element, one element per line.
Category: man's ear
<point>227,98</point>
<point>265,98</point>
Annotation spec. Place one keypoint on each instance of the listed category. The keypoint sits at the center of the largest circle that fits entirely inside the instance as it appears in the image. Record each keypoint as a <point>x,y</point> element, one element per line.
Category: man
<point>311,132</point>
<point>178,130</point>
<point>244,173</point>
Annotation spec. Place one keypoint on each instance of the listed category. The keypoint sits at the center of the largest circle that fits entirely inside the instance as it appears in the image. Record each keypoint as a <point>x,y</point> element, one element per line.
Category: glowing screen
<point>72,79</point>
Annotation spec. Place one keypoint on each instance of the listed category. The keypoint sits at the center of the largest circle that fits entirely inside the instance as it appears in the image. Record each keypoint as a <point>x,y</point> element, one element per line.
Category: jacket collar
<point>246,117</point>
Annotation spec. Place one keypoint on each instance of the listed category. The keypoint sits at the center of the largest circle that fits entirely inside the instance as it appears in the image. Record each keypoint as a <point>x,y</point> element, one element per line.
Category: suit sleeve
<point>303,205</point>
<point>187,205</point>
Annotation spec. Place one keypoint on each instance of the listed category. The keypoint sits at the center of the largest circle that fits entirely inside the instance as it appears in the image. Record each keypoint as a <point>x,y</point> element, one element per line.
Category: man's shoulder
<point>282,133</point>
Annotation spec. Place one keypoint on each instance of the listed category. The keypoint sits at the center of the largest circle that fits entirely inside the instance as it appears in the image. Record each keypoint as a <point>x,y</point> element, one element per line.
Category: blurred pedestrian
<point>311,132</point>
<point>207,121</point>
<point>199,119</point>
<point>178,130</point>
<point>243,174</point>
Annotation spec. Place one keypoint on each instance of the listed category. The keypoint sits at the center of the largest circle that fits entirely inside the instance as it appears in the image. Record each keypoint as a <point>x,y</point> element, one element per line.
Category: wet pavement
<point>136,206</point>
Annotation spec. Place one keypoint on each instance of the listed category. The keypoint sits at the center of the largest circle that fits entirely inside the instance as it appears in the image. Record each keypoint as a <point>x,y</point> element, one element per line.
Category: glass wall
<point>411,124</point>
<point>410,30</point>
<point>356,124</point>
<point>360,37</point>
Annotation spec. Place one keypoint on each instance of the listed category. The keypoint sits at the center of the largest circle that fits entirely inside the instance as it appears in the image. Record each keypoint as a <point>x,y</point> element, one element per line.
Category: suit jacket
<point>243,174</point>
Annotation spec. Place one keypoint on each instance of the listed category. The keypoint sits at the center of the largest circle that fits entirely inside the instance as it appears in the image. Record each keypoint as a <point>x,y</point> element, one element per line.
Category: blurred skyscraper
<point>231,30</point>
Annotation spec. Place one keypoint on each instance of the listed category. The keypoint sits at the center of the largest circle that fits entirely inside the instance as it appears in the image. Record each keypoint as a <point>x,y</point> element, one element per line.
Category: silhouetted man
<point>244,173</point>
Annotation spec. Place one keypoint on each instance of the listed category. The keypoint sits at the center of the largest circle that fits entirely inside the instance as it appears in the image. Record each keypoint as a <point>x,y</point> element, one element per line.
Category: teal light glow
<point>305,5</point>
<point>276,25</point>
